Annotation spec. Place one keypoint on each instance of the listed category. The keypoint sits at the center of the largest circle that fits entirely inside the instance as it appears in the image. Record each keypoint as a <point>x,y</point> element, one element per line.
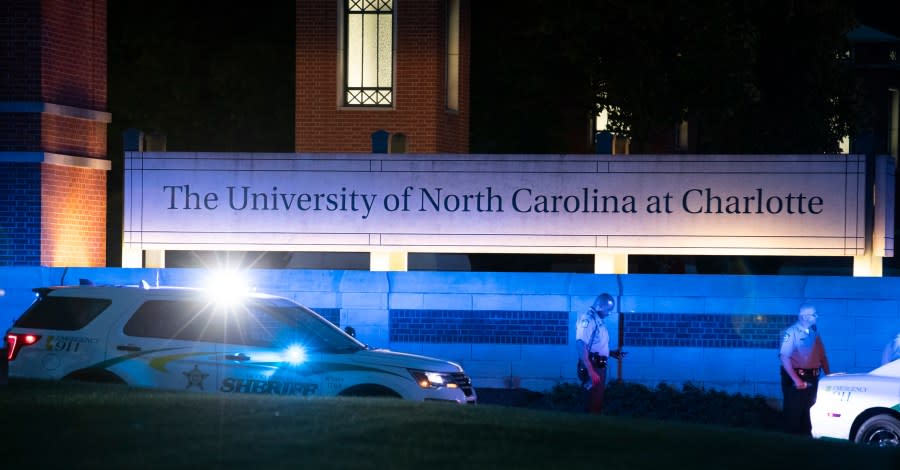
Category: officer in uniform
<point>802,357</point>
<point>592,345</point>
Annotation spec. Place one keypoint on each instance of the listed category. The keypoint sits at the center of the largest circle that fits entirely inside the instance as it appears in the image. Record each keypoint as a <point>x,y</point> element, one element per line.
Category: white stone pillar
<point>611,263</point>
<point>867,266</point>
<point>155,258</point>
<point>388,261</point>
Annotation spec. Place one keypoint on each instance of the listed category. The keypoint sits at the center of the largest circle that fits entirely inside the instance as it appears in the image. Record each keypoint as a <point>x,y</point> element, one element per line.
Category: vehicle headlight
<point>427,379</point>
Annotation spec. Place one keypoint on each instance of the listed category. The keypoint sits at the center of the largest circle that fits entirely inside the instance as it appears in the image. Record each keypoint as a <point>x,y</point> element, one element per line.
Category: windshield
<point>281,323</point>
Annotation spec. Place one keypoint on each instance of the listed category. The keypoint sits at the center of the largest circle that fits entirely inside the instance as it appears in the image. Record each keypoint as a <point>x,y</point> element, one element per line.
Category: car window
<point>280,323</point>
<point>62,313</point>
<point>274,323</point>
<point>176,319</point>
<point>248,324</point>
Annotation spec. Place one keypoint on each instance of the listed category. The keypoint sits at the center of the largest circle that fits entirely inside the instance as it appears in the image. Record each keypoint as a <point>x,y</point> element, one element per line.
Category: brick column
<point>53,120</point>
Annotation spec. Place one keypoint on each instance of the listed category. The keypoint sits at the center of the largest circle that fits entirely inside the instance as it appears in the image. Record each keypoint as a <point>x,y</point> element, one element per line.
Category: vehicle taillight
<point>17,341</point>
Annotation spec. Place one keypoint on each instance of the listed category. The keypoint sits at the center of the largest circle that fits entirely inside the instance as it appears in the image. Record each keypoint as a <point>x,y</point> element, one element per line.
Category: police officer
<point>592,345</point>
<point>802,357</point>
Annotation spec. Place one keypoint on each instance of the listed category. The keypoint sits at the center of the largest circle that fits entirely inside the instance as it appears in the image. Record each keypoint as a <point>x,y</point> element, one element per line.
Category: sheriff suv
<point>181,339</point>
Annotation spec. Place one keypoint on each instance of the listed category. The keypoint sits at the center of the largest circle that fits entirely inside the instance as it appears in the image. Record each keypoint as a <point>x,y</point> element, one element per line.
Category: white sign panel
<point>661,204</point>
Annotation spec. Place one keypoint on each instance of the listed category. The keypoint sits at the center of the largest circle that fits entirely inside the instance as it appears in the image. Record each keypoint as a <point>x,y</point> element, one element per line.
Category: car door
<point>257,357</point>
<point>167,343</point>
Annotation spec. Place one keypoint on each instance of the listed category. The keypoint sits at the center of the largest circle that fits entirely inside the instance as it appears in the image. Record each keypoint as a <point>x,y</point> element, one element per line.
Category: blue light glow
<point>295,355</point>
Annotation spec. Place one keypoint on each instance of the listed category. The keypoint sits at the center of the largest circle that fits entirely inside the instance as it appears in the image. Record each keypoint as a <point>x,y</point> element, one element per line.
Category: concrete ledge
<point>406,301</point>
<point>55,109</point>
<point>546,302</point>
<point>835,287</point>
<point>363,281</point>
<point>496,302</point>
<point>56,159</point>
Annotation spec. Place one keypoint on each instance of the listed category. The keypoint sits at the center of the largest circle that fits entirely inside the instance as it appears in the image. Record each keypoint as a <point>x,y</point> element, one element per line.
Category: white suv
<point>180,339</point>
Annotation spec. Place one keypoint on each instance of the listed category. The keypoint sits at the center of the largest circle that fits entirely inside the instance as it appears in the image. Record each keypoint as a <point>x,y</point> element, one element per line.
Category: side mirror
<point>350,331</point>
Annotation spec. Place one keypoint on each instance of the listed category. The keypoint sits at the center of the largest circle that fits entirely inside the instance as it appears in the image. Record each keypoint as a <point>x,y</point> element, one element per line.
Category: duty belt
<point>807,372</point>
<point>598,361</point>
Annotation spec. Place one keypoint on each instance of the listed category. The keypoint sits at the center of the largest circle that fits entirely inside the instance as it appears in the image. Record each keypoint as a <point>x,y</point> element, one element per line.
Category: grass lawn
<point>73,425</point>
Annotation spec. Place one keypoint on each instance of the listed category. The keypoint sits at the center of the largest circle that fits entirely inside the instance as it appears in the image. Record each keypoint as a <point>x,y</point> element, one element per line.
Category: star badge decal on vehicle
<point>195,376</point>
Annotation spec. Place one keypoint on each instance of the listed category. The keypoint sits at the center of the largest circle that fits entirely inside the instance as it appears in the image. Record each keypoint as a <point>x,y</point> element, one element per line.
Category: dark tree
<point>750,76</point>
<point>211,76</point>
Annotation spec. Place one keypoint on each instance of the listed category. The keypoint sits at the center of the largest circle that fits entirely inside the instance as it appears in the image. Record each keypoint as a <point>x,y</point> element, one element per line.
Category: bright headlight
<point>427,379</point>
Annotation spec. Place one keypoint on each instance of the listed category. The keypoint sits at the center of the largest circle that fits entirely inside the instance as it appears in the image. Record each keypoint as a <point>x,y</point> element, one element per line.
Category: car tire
<point>879,430</point>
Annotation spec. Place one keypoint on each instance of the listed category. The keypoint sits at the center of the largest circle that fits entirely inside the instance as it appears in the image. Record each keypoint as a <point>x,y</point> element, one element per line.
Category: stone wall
<point>516,328</point>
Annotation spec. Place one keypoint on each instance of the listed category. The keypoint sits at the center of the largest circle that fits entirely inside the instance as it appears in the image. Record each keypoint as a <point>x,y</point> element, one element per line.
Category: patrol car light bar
<point>227,286</point>
<point>16,341</point>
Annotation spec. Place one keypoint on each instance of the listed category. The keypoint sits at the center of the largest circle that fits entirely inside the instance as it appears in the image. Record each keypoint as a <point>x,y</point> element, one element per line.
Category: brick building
<point>53,120</point>
<point>398,66</point>
<point>371,76</point>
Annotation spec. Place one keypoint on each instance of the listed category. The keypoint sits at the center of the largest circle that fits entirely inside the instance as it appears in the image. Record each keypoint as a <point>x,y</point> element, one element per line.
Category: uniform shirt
<point>803,346</point>
<point>587,323</point>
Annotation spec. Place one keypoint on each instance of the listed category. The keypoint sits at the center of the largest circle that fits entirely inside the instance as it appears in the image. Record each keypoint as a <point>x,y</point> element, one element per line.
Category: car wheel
<point>881,431</point>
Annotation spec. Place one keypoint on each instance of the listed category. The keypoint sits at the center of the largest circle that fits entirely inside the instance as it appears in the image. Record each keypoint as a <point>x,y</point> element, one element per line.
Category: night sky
<point>221,79</point>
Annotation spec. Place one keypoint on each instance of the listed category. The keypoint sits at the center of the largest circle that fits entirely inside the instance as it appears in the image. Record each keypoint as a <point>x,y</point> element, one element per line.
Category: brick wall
<point>73,73</point>
<point>20,50</point>
<point>706,330</point>
<point>41,132</point>
<point>54,51</point>
<point>20,214</point>
<point>20,132</point>
<point>419,91</point>
<point>73,216</point>
<point>478,326</point>
<point>73,53</point>
<point>73,136</point>
<point>53,55</point>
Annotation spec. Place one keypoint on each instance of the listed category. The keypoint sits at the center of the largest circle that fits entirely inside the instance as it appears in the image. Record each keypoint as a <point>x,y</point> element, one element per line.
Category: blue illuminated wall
<point>478,326</point>
<point>717,331</point>
<point>20,214</point>
<point>705,330</point>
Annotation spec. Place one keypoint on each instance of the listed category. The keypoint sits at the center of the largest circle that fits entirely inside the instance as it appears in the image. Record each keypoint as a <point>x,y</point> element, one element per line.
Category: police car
<point>185,339</point>
<point>863,408</point>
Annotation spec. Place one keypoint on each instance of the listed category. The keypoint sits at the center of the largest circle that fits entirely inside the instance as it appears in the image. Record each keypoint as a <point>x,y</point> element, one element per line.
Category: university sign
<point>639,204</point>
<point>521,200</point>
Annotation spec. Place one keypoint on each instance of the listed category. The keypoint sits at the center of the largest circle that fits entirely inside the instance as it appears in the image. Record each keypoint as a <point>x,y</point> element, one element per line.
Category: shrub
<point>664,402</point>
